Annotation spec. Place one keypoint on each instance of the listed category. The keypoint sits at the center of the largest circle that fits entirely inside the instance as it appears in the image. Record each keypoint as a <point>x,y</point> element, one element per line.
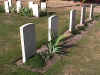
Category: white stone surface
<point>18,6</point>
<point>35,9</point>
<point>10,3</point>
<point>30,4</point>
<point>83,12</point>
<point>52,26</point>
<point>28,41</point>
<point>72,20</point>
<point>6,4</point>
<point>91,12</point>
<point>43,6</point>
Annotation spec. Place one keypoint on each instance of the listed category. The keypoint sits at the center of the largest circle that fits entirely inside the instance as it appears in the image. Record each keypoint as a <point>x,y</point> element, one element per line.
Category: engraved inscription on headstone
<point>43,6</point>
<point>27,34</point>
<point>52,26</point>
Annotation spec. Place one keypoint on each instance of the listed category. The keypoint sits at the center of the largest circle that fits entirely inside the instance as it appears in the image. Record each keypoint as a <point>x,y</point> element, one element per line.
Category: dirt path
<point>69,5</point>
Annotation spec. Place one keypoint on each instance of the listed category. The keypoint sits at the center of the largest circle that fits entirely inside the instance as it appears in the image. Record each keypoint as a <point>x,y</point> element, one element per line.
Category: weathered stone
<point>35,9</point>
<point>30,4</point>
<point>6,4</point>
<point>18,6</point>
<point>43,6</point>
<point>91,12</point>
<point>28,41</point>
<point>72,20</point>
<point>52,27</point>
<point>83,12</point>
<point>10,3</point>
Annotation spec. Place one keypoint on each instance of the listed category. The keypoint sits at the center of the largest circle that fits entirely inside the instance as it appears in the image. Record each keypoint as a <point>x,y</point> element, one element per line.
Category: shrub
<point>26,12</point>
<point>43,13</point>
<point>53,47</point>
<point>84,1</point>
<point>13,10</point>
<point>2,9</point>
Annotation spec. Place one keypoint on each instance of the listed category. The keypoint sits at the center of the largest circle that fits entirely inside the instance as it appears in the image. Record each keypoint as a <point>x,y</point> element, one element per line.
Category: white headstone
<point>72,20</point>
<point>43,6</point>
<point>18,6</point>
<point>91,12</point>
<point>6,4</point>
<point>30,4</point>
<point>52,26</point>
<point>35,9</point>
<point>83,12</point>
<point>27,34</point>
<point>10,3</point>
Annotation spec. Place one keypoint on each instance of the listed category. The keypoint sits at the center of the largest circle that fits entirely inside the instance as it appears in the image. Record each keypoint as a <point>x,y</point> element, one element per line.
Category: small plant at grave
<point>13,10</point>
<point>26,12</point>
<point>43,13</point>
<point>83,1</point>
<point>53,47</point>
<point>2,9</point>
<point>36,61</point>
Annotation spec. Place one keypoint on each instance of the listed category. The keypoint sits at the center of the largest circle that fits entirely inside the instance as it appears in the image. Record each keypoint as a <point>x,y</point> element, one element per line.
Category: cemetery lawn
<point>83,58</point>
<point>10,49</point>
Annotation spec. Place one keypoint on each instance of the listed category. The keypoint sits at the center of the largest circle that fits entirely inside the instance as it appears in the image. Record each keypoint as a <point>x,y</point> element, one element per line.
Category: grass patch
<point>36,61</point>
<point>83,59</point>
<point>10,48</point>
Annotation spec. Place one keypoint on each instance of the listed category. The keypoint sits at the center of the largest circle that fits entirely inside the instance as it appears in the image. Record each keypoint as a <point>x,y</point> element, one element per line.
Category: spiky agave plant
<point>53,45</point>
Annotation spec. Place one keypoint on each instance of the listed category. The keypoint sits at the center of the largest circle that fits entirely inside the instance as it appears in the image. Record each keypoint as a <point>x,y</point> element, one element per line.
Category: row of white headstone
<point>28,38</point>
<point>82,19</point>
<point>27,32</point>
<point>7,5</point>
<point>34,7</point>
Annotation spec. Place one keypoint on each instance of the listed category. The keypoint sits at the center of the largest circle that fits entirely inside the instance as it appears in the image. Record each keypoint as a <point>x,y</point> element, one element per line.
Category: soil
<point>70,5</point>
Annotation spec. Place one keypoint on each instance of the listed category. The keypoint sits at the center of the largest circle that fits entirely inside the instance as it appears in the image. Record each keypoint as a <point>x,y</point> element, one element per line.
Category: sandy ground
<point>70,5</point>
